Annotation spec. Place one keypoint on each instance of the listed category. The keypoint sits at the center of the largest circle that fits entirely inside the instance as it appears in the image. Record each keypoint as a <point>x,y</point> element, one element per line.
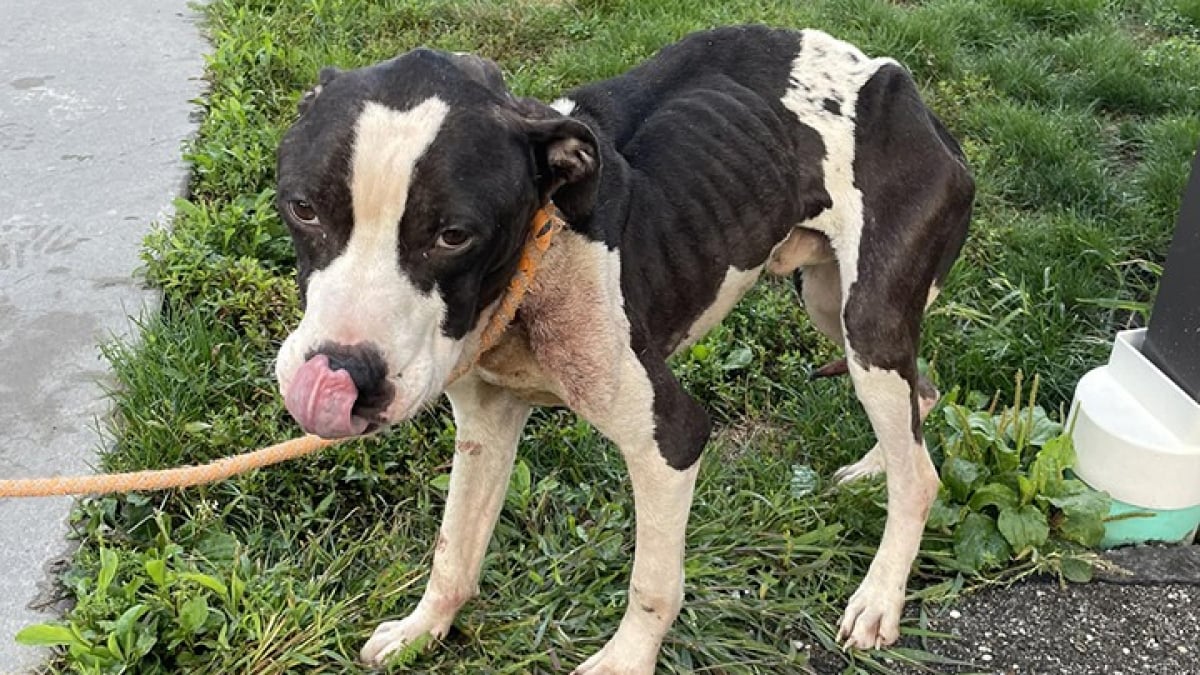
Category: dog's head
<point>408,188</point>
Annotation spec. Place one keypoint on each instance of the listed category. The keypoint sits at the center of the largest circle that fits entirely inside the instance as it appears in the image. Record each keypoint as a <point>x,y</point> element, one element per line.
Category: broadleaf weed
<point>1006,490</point>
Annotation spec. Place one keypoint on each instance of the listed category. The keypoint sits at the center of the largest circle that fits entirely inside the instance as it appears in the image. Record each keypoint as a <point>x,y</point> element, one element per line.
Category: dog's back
<point>748,145</point>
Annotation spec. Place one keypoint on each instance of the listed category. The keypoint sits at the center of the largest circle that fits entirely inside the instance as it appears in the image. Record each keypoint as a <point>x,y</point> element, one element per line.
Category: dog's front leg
<point>489,422</point>
<point>872,616</point>
<point>660,431</point>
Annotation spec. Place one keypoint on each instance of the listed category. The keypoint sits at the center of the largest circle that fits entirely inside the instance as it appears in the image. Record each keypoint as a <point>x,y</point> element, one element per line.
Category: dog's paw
<point>872,618</point>
<point>613,660</point>
<point>871,464</point>
<point>390,637</point>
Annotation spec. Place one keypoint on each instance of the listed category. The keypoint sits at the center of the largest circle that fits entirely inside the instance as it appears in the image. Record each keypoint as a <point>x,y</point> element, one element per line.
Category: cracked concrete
<point>95,100</point>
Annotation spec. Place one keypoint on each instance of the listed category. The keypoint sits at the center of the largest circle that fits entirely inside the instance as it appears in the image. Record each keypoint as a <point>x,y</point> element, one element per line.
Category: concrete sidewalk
<point>94,103</point>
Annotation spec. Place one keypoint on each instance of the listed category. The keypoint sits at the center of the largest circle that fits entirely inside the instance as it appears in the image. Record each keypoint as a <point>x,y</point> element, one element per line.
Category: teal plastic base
<point>1173,526</point>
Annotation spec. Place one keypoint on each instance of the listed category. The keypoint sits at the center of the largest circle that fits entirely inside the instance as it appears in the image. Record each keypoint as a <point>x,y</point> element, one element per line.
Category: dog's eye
<point>303,211</point>
<point>453,238</point>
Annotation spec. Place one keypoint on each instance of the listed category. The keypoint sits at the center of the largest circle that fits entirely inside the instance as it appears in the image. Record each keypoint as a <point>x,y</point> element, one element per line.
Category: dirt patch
<point>1040,627</point>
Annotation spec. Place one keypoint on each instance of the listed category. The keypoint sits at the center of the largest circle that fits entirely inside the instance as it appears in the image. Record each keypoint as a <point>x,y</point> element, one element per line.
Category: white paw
<point>872,618</point>
<point>391,636</point>
<point>870,465</point>
<point>613,660</point>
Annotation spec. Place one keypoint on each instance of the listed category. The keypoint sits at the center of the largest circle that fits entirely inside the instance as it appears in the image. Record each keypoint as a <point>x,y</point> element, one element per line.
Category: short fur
<point>731,152</point>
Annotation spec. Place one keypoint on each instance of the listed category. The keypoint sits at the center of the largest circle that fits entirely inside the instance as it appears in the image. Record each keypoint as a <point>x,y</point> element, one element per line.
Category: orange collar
<point>547,221</point>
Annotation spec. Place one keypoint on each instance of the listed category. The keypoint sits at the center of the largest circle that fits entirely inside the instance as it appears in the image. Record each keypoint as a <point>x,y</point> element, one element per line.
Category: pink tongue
<point>321,400</point>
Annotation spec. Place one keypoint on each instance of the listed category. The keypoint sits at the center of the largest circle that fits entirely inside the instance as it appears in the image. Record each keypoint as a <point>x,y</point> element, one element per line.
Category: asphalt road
<point>1142,617</point>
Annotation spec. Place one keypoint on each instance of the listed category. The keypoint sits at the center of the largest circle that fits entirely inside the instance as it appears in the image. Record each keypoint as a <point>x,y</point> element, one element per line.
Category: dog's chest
<point>567,342</point>
<point>511,365</point>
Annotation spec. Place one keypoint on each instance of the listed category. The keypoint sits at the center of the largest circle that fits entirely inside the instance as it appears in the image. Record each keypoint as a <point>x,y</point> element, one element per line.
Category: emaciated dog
<point>408,187</point>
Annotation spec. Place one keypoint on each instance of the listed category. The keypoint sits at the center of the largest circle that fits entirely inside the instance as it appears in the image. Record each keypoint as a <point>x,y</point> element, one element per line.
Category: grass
<point>1080,119</point>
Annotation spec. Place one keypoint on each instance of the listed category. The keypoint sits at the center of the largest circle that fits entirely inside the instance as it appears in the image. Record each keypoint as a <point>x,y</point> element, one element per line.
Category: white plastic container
<point>1137,437</point>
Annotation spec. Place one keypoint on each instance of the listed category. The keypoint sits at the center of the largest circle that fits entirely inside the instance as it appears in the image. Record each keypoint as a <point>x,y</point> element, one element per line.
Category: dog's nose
<point>368,369</point>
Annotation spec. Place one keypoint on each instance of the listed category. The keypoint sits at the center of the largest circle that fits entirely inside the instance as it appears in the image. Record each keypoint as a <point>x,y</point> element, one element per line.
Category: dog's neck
<point>546,223</point>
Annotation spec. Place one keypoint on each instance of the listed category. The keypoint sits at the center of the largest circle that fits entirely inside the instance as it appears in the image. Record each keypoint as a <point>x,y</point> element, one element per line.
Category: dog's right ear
<point>325,77</point>
<point>565,155</point>
<point>566,152</point>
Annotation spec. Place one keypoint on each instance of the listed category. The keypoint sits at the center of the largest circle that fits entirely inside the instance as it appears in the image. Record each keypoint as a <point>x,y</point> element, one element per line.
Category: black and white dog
<point>409,187</point>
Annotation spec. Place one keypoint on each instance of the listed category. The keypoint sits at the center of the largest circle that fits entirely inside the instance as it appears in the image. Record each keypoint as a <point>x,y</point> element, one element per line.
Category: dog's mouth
<point>326,401</point>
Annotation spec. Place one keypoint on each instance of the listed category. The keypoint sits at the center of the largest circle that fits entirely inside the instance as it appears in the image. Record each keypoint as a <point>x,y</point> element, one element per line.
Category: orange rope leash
<point>547,222</point>
<point>162,479</point>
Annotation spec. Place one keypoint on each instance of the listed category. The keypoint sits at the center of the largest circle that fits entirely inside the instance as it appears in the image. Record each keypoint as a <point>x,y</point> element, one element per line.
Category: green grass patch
<point>1080,120</point>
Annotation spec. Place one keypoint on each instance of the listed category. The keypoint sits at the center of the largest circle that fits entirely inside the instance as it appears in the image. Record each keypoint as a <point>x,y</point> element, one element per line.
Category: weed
<point>1005,493</point>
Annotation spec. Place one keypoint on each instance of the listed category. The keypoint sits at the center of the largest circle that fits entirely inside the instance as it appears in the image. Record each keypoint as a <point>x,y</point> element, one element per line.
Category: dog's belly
<point>735,285</point>
<point>802,247</point>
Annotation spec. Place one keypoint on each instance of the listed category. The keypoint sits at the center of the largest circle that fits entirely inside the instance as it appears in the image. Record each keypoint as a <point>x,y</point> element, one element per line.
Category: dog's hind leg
<point>882,323</point>
<point>820,288</point>
<point>885,381</point>
<point>872,463</point>
<point>660,431</point>
<point>489,422</point>
<point>913,222</point>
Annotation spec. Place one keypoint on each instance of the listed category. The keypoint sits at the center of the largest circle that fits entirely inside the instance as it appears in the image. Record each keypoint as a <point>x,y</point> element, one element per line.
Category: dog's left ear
<point>483,71</point>
<point>325,77</point>
<point>568,163</point>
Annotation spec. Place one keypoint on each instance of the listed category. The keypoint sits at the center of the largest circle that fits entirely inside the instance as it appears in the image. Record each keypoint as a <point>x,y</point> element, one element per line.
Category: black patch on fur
<point>917,197</point>
<point>484,71</point>
<point>468,186</point>
<point>832,105</point>
<point>681,425</point>
<point>313,163</point>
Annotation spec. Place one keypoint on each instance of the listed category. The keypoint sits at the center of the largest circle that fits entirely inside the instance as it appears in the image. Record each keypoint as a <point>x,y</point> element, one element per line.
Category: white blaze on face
<point>364,295</point>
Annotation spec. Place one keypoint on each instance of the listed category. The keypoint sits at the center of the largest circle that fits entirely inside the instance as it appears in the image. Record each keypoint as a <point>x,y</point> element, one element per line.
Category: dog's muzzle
<point>340,391</point>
